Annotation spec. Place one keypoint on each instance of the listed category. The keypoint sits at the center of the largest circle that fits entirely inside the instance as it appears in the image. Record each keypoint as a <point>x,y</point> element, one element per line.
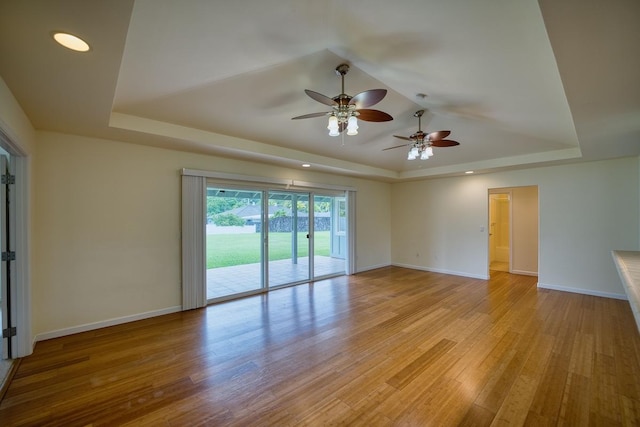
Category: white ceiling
<point>518,82</point>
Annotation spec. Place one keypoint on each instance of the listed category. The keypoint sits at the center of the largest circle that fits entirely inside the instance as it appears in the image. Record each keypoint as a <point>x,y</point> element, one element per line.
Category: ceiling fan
<point>346,110</point>
<point>421,142</point>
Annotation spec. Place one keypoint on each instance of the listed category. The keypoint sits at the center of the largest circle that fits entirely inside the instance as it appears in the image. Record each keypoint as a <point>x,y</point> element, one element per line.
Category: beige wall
<point>586,210</point>
<point>14,122</point>
<point>524,240</point>
<point>107,226</point>
<point>436,225</point>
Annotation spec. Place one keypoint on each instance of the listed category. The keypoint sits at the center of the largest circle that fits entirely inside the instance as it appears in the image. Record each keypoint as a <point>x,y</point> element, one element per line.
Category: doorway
<point>513,230</point>
<point>500,231</point>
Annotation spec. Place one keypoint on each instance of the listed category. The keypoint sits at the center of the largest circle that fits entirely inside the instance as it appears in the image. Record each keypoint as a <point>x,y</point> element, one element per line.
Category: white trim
<point>105,323</point>
<point>304,184</point>
<point>23,259</point>
<point>438,270</point>
<point>372,267</point>
<point>350,266</point>
<point>21,282</point>
<point>264,180</point>
<point>9,139</point>
<point>524,273</point>
<point>235,177</point>
<point>582,291</point>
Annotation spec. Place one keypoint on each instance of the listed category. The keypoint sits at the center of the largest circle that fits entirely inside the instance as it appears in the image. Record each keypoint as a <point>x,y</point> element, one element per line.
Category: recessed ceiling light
<point>71,42</point>
<point>306,165</point>
<point>469,172</point>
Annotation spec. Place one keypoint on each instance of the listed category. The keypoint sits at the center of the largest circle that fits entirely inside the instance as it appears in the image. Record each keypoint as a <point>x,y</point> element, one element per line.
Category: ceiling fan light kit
<point>422,151</point>
<point>421,144</point>
<point>352,125</point>
<point>347,109</point>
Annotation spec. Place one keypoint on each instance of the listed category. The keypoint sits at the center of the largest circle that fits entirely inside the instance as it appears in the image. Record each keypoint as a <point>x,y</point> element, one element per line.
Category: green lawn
<point>225,250</point>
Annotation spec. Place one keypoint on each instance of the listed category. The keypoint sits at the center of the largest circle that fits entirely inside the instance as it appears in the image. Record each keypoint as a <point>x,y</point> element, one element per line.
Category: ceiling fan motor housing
<point>342,69</point>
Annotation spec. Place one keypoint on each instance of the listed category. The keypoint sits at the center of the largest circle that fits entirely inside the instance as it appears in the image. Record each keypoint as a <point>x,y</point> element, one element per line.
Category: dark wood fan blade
<point>403,137</point>
<point>438,135</point>
<point>397,146</point>
<point>309,116</point>
<point>320,98</point>
<point>444,143</point>
<point>373,116</point>
<point>368,98</point>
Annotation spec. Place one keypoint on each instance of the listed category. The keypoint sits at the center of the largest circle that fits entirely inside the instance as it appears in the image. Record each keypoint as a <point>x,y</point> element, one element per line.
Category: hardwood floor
<point>387,347</point>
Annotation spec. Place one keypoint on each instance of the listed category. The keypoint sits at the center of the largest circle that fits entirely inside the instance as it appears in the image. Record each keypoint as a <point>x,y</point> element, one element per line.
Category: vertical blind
<point>194,288</point>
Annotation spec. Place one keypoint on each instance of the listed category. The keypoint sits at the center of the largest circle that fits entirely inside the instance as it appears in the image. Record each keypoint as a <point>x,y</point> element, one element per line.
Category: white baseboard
<point>437,270</point>
<point>105,323</point>
<point>372,267</point>
<point>582,291</point>
<point>524,273</point>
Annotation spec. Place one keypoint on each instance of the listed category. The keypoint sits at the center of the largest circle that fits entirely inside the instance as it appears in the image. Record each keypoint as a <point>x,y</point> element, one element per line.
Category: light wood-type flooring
<point>389,347</point>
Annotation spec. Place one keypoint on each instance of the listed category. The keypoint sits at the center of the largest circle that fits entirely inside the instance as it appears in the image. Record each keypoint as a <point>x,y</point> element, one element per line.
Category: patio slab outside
<point>225,281</point>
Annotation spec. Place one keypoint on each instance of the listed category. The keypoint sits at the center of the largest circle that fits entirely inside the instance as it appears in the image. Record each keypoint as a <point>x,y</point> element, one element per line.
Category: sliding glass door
<point>258,239</point>
<point>234,242</point>
<point>330,235</point>
<point>288,238</point>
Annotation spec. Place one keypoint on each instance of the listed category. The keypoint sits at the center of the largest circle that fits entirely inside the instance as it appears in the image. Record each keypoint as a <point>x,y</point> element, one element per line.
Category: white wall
<point>586,210</point>
<point>107,227</point>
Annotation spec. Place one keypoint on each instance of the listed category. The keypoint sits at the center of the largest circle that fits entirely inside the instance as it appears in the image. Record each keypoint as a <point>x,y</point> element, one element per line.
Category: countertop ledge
<point>628,265</point>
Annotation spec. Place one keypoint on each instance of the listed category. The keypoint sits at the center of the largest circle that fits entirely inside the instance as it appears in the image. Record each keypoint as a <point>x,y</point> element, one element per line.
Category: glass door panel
<point>234,239</point>
<point>288,238</point>
<point>330,235</point>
